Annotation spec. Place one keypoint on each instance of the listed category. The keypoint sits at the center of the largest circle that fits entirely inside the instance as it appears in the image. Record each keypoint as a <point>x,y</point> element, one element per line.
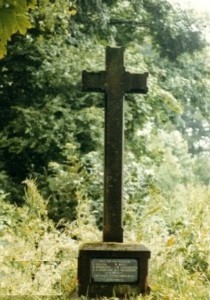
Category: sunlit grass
<point>37,260</point>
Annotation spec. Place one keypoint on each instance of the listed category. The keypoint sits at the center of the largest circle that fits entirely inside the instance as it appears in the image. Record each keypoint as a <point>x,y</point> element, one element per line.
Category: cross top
<point>115,76</point>
<point>114,83</point>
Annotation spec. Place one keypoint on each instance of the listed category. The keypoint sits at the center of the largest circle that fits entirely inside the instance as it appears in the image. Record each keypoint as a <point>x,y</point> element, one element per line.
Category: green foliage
<point>173,30</point>
<point>78,180</point>
<point>51,17</point>
<point>51,131</point>
<point>176,166</point>
<point>13,18</point>
<point>42,108</point>
<point>41,261</point>
<point>48,17</point>
<point>175,228</point>
<point>36,259</point>
<point>185,83</point>
<point>41,125</point>
<point>201,169</point>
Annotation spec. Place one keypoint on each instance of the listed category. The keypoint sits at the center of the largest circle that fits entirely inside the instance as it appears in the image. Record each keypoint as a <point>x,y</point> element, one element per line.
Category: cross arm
<point>136,83</point>
<point>93,82</point>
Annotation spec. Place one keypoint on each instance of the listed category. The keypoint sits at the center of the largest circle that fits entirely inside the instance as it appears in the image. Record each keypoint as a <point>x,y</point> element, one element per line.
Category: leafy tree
<point>16,17</point>
<point>43,110</point>
<point>173,30</point>
<point>177,163</point>
<point>13,18</point>
<point>187,79</point>
<point>24,115</point>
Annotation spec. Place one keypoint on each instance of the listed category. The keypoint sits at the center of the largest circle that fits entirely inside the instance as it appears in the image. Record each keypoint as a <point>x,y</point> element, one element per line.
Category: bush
<point>36,259</point>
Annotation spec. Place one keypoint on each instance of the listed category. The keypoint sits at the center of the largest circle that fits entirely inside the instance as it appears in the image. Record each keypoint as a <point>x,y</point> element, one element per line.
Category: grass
<point>39,261</point>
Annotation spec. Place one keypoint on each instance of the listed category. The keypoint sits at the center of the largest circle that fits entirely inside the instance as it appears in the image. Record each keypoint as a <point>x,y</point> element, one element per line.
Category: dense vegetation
<point>52,134</point>
<point>13,18</point>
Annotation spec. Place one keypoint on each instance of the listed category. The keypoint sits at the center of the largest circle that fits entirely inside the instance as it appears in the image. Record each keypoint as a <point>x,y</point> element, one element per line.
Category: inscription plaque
<point>114,270</point>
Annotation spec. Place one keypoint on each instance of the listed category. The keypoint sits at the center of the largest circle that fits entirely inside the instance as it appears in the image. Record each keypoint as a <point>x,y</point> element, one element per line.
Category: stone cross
<point>114,83</point>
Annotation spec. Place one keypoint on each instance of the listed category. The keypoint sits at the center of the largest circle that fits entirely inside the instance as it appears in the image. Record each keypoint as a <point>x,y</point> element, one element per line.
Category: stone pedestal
<point>112,269</point>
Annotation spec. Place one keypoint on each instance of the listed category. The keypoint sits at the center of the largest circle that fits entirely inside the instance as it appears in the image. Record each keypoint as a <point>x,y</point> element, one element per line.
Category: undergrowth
<point>39,259</point>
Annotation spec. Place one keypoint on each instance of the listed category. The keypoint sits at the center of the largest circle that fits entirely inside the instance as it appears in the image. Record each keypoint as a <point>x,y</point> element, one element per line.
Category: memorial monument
<point>111,267</point>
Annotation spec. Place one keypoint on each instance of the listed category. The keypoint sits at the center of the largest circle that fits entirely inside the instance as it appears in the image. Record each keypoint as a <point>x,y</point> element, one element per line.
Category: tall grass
<point>38,260</point>
<point>178,236</point>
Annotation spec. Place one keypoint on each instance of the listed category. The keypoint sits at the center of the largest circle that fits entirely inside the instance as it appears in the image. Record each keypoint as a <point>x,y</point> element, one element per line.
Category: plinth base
<point>112,269</point>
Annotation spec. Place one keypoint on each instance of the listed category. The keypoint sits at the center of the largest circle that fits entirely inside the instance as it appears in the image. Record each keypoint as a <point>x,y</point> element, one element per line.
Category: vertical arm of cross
<point>113,175</point>
<point>114,82</point>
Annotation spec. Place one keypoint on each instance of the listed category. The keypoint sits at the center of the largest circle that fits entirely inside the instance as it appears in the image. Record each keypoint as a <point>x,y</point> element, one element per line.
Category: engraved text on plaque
<point>119,270</point>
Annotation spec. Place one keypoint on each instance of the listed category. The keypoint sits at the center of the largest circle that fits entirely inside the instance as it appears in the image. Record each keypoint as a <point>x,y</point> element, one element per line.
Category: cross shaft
<point>114,83</point>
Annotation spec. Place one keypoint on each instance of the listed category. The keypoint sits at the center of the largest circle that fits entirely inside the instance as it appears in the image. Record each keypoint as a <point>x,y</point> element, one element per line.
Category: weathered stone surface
<point>114,83</point>
<point>122,269</point>
<point>112,268</point>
